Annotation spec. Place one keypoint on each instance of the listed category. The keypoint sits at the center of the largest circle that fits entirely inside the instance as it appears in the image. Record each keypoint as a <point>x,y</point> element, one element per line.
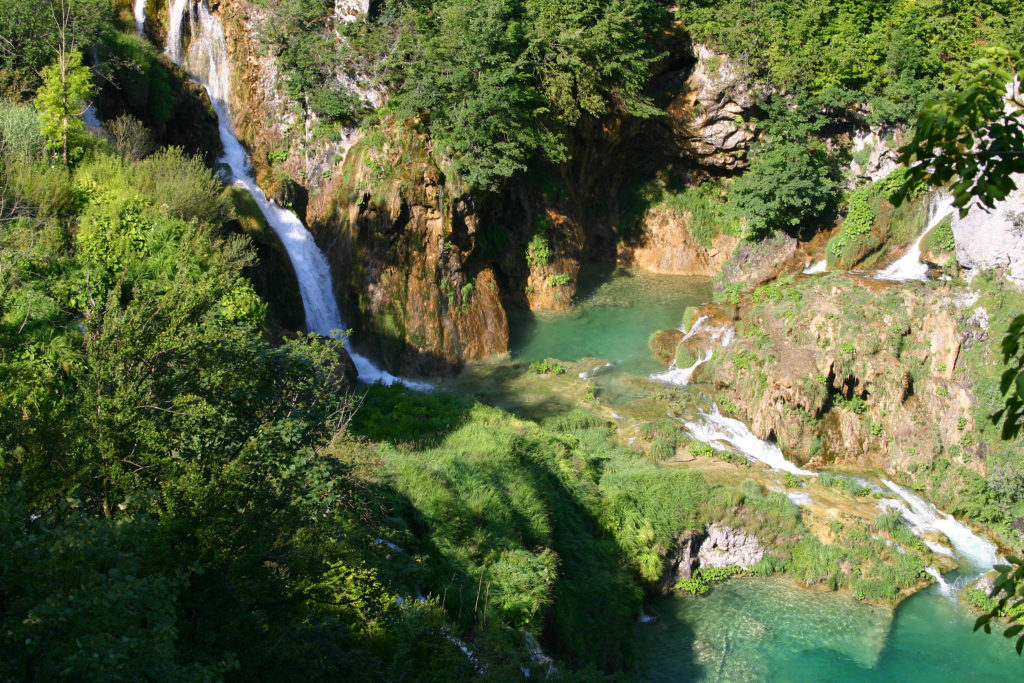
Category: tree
<point>973,138</point>
<point>66,85</point>
<point>34,34</point>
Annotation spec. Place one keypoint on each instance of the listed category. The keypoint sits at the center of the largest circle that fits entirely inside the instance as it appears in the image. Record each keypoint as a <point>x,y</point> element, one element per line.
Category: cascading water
<point>177,11</point>
<point>139,10</point>
<point>923,517</point>
<point>815,268</point>
<point>721,432</point>
<point>207,61</point>
<point>909,266</point>
<point>677,376</point>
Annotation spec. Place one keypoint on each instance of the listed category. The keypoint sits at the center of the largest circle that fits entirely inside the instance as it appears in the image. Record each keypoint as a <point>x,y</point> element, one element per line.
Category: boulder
<point>725,546</point>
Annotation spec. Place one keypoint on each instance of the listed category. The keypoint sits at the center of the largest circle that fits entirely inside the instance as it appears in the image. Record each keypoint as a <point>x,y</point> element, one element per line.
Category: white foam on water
<point>680,377</point>
<point>923,517</point>
<point>909,266</point>
<point>800,498</point>
<point>815,268</point>
<point>725,433</point>
<point>206,60</point>
<point>139,10</point>
<point>598,370</point>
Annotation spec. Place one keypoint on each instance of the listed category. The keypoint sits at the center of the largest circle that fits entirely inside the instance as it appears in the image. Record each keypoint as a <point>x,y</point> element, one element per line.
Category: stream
<point>754,629</point>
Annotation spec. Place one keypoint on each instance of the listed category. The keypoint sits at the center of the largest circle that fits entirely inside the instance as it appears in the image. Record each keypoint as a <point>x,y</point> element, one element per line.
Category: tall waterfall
<point>910,266</point>
<point>206,60</point>
<point>139,9</point>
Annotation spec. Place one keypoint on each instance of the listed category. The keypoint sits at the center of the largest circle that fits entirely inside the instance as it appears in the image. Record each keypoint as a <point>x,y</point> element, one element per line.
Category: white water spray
<point>923,517</point>
<point>139,10</point>
<point>909,266</point>
<point>680,377</point>
<point>207,61</point>
<point>722,432</point>
<point>819,267</point>
<point>176,15</point>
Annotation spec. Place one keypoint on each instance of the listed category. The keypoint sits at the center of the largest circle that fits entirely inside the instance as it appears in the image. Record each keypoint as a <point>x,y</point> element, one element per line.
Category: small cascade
<point>909,266</point>
<point>720,337</point>
<point>947,589</point>
<point>139,10</point>
<point>923,517</point>
<point>177,12</point>
<point>722,432</point>
<point>206,60</point>
<point>816,268</point>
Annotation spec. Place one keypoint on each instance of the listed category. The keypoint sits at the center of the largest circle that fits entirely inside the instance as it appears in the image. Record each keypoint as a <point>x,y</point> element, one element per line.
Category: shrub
<point>538,251</point>
<point>548,366</point>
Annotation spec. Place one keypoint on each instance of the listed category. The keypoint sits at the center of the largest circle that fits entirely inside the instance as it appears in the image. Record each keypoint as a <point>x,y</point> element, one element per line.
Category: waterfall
<point>909,266</point>
<point>206,60</point>
<point>139,9</point>
<point>819,267</point>
<point>177,11</point>
<point>721,336</point>
<point>922,517</point>
<point>944,586</point>
<point>720,432</point>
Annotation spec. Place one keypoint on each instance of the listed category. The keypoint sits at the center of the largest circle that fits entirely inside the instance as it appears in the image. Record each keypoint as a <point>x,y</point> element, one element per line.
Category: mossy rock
<point>273,276</point>
<point>688,317</point>
<point>684,357</point>
<point>663,344</point>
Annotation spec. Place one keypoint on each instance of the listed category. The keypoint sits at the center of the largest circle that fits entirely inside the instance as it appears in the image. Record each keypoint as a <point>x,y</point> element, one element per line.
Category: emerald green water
<point>613,319</point>
<point>754,629</point>
<point>773,630</point>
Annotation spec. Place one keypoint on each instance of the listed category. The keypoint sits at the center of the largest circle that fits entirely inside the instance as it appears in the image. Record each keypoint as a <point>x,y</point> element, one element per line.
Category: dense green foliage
<point>890,55</point>
<point>496,83</point>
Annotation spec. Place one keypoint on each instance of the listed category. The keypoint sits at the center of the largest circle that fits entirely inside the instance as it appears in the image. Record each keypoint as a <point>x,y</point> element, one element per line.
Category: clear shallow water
<point>774,630</point>
<point>613,319</point>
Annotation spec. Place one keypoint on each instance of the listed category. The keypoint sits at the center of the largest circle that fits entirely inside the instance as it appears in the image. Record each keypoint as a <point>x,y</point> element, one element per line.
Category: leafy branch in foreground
<point>972,139</point>
<point>1010,585</point>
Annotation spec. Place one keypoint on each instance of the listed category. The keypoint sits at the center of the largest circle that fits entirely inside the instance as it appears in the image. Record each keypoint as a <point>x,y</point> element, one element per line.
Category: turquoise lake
<point>757,629</point>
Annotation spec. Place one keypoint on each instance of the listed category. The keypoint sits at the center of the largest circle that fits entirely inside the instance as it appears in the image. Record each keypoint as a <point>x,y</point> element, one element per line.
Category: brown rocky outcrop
<point>708,113</point>
<point>667,246</point>
<point>844,369</point>
<point>401,258</point>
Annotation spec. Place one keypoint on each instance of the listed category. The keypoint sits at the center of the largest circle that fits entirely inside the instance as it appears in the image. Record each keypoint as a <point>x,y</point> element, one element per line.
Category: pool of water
<point>774,630</point>
<point>613,319</point>
<point>752,629</point>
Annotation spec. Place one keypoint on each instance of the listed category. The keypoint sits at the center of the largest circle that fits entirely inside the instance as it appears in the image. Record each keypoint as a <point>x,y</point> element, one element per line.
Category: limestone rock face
<point>725,546</point>
<point>993,239</point>
<point>402,265</point>
<point>710,110</point>
<point>846,369</point>
<point>265,119</point>
<point>679,560</point>
<point>874,157</point>
<point>668,247</point>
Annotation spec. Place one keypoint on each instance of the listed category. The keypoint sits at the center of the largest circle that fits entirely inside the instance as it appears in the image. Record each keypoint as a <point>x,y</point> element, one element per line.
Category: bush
<point>548,366</point>
<point>336,104</point>
<point>20,137</point>
<point>538,252</point>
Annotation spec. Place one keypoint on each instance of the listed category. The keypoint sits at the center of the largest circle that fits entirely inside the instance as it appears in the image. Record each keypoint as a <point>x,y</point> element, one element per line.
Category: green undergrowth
<point>518,525</point>
<point>872,222</point>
